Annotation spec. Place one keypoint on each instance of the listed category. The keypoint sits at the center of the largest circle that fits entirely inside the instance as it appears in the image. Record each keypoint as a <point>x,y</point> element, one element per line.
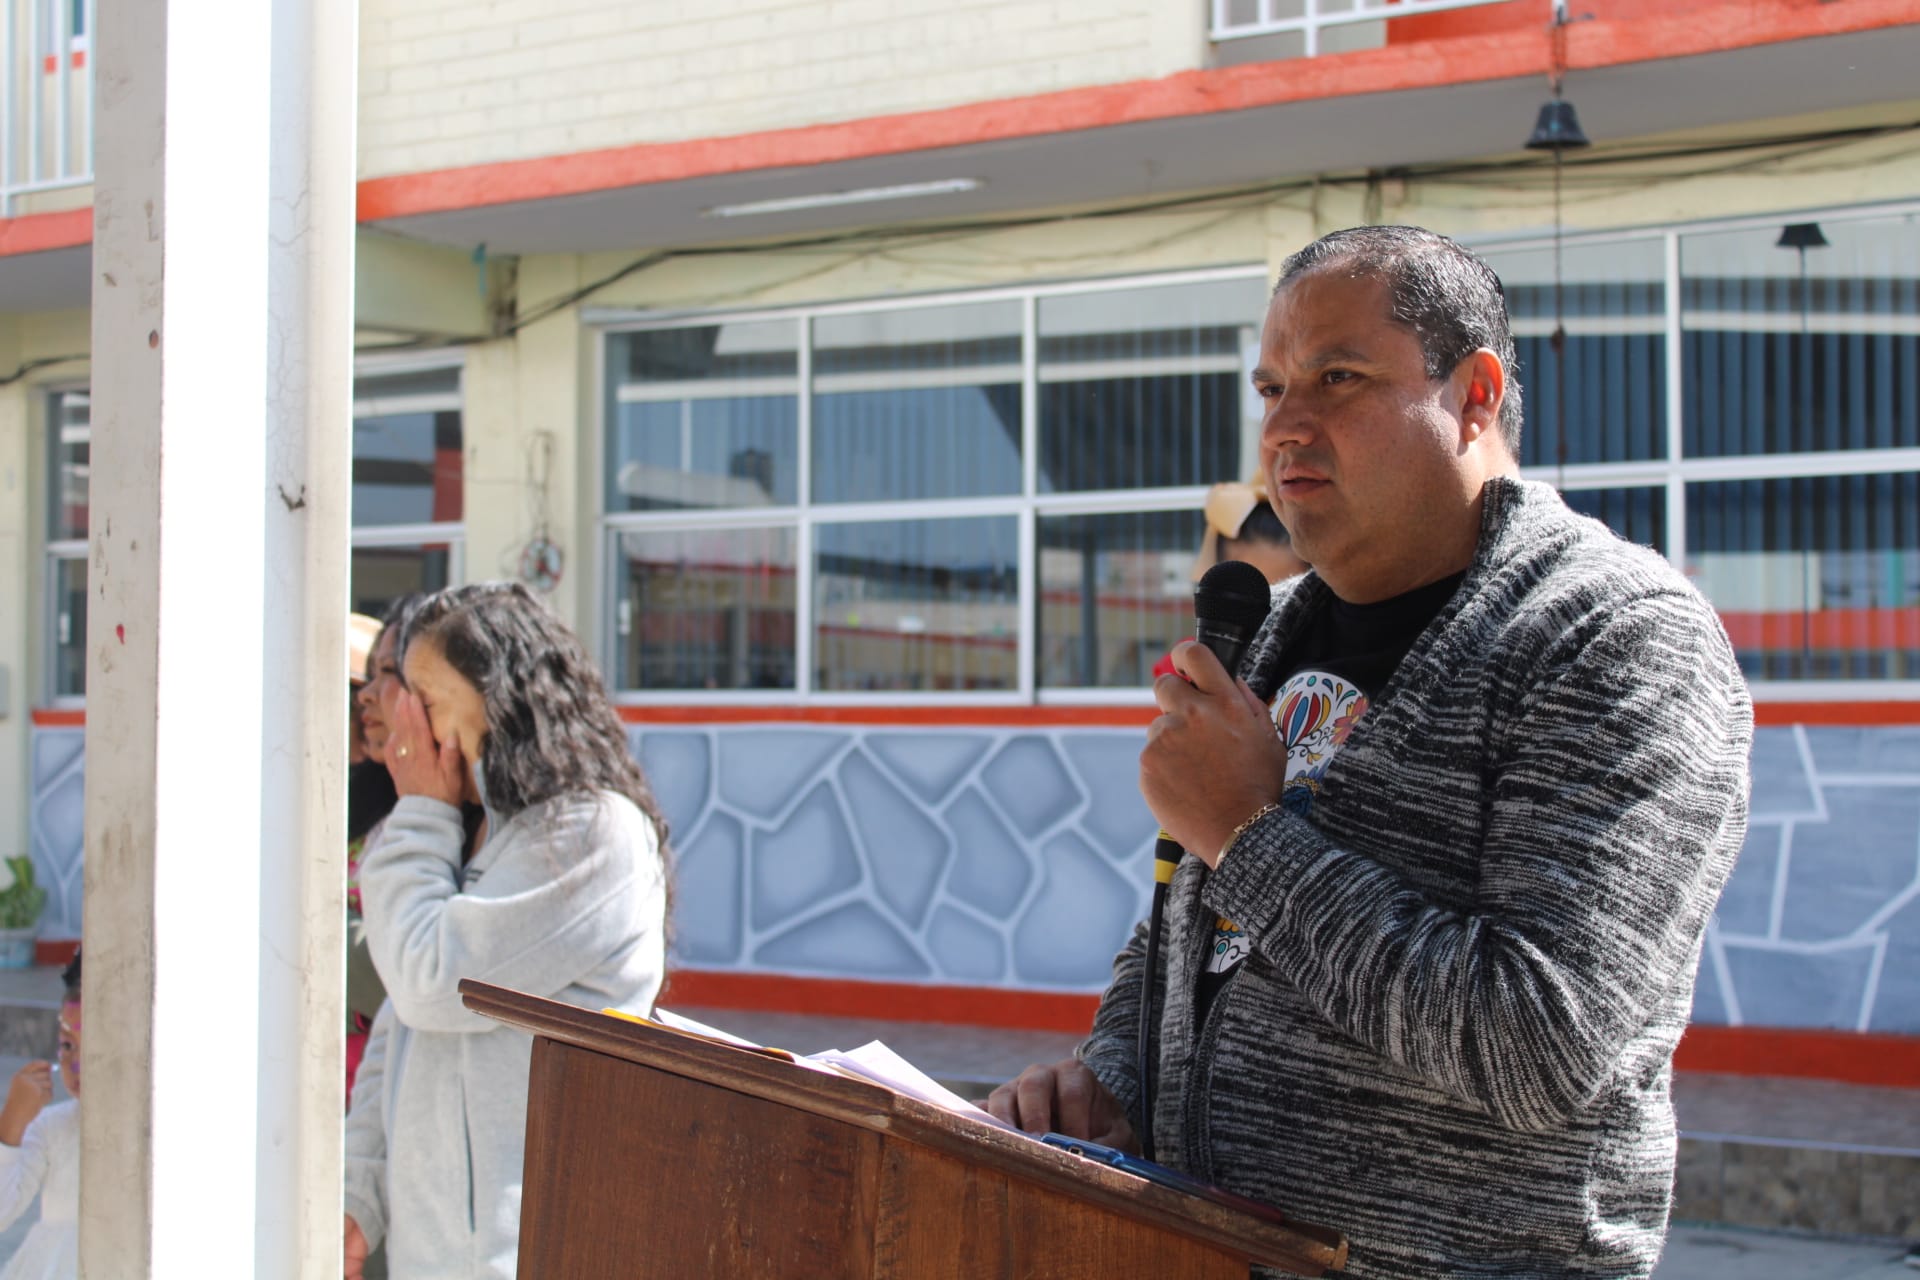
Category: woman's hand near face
<point>421,766</point>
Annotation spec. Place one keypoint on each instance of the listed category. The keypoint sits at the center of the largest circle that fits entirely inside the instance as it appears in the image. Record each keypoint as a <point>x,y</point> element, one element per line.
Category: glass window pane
<point>1792,349</point>
<point>70,627</point>
<point>704,609</point>
<point>1815,578</point>
<point>406,468</point>
<point>381,575</point>
<point>1613,370</point>
<point>70,437</point>
<point>917,605</point>
<point>703,417</point>
<point>1147,388</point>
<point>917,404</point>
<point>1116,594</point>
<point>407,448</point>
<point>1637,514</point>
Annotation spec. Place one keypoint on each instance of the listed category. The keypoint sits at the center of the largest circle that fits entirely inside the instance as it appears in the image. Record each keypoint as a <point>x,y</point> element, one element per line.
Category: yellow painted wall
<point>24,339</point>
<point>446,83</point>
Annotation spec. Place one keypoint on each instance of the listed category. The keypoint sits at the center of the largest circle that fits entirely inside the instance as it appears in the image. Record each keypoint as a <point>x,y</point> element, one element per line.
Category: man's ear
<point>1481,382</point>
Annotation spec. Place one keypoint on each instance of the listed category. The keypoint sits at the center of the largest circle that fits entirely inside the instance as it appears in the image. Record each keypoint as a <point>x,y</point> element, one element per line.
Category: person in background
<point>373,671</point>
<point>561,892</point>
<point>40,1154</point>
<point>1241,525</point>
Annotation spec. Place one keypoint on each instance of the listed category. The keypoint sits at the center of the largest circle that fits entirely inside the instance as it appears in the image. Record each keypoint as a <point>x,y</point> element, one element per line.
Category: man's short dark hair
<point>1437,288</point>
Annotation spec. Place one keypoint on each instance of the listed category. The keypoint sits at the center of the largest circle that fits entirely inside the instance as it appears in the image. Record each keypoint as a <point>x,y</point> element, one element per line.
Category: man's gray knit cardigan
<point>1472,962</point>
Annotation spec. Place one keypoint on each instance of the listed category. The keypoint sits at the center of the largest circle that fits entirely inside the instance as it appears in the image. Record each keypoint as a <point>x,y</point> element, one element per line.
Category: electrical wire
<point>42,362</point>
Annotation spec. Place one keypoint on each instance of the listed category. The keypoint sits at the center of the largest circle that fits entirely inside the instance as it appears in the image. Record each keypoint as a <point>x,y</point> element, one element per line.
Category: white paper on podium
<point>872,1061</point>
<point>875,1062</point>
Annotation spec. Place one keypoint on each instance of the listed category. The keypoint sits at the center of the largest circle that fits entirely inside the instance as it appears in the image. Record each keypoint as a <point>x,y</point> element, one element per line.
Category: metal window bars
<point>1310,17</point>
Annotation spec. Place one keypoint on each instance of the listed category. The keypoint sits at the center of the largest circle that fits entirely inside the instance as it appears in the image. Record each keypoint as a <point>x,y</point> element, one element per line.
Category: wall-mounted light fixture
<point>830,199</point>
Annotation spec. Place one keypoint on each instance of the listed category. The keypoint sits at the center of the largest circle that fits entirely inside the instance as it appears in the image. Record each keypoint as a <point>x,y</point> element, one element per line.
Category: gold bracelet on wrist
<point>1270,807</point>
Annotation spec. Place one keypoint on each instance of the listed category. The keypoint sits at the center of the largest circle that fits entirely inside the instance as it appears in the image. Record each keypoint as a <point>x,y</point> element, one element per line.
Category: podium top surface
<point>1267,1237</point>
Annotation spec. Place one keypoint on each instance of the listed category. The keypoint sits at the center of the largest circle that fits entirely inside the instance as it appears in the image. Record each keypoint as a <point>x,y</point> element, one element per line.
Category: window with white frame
<point>69,444</point>
<point>992,495</point>
<point>1746,397</point>
<point>998,493</point>
<point>407,493</point>
<point>407,483</point>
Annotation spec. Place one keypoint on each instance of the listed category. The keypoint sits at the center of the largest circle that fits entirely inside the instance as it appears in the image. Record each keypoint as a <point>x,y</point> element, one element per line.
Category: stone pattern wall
<point>1020,858</point>
<point>56,824</point>
<point>1820,924</point>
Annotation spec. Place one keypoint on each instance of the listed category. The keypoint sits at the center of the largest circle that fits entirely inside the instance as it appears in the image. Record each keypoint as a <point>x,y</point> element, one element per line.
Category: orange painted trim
<point>58,952</point>
<point>1844,1056</point>
<point>1003,1008</point>
<point>1410,64</point>
<point>42,232</point>
<point>60,717</point>
<point>51,63</point>
<point>992,717</point>
<point>1849,1057</point>
<point>1491,55</point>
<point>1774,715</point>
<point>1897,628</point>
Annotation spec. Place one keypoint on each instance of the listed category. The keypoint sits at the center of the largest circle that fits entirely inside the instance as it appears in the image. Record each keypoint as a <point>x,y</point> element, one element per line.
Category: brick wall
<point>453,82</point>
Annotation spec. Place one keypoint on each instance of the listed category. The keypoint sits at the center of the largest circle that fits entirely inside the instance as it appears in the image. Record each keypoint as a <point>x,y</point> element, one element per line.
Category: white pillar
<point>215,646</point>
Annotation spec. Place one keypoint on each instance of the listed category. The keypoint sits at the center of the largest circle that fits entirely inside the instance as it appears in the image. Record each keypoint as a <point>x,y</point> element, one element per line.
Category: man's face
<point>1376,469</point>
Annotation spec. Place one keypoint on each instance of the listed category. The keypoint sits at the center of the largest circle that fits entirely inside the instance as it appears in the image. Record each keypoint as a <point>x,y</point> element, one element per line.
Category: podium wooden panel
<point>652,1154</point>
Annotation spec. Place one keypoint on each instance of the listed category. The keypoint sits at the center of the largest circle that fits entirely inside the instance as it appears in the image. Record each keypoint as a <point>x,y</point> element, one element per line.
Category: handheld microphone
<point>1229,605</point>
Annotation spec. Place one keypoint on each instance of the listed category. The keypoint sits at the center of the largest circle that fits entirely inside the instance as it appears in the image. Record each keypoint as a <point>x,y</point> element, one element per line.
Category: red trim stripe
<point>1824,629</point>
<point>1460,54</point>
<point>44,232</point>
<point>1849,1057</point>
<point>56,952</point>
<point>1844,1056</point>
<point>886,1001</point>
<point>1775,715</point>
<point>1522,51</point>
<point>993,717</point>
<point>60,717</point>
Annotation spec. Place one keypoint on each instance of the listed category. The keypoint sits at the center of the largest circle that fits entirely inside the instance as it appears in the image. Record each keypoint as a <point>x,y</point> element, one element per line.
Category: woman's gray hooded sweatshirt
<point>567,900</point>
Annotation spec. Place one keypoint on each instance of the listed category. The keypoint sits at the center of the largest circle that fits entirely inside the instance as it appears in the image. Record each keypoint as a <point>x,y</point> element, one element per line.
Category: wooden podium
<point>651,1153</point>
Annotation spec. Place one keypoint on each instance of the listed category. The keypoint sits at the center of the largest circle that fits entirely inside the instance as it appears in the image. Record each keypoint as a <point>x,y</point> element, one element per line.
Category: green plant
<point>20,898</point>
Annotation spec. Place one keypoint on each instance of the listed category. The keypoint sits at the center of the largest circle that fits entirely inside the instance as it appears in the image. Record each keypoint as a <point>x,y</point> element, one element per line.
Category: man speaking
<point>1453,844</point>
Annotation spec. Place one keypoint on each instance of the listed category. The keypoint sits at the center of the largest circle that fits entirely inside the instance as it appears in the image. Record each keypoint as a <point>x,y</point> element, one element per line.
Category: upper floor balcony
<point>46,105</point>
<point>570,126</point>
<point>1308,28</point>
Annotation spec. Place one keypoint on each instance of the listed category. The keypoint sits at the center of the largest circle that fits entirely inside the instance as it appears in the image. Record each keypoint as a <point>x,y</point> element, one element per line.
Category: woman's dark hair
<point>71,976</point>
<point>551,729</point>
<point>1262,525</point>
<point>398,614</point>
<point>370,797</point>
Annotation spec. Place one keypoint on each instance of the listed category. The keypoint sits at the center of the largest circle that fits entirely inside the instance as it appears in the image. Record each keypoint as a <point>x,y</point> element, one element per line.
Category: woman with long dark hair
<point>526,850</point>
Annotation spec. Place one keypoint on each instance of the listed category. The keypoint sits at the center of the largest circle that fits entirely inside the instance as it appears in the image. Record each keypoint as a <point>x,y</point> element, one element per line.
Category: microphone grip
<point>1166,858</point>
<point>1227,643</point>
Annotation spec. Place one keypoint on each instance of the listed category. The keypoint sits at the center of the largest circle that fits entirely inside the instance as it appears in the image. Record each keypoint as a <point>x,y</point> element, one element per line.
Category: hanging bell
<point>1557,129</point>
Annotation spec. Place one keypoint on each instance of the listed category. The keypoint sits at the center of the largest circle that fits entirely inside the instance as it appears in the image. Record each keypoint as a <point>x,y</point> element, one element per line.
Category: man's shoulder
<point>1554,562</point>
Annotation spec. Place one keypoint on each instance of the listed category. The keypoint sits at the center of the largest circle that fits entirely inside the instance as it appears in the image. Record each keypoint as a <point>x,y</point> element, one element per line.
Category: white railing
<point>46,98</point>
<point>1309,17</point>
